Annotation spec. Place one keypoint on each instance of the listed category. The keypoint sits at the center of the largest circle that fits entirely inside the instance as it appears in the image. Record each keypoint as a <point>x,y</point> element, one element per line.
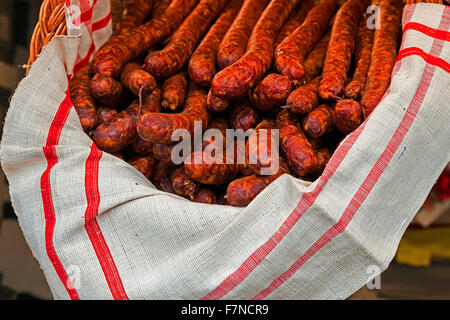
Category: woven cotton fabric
<point>101,230</point>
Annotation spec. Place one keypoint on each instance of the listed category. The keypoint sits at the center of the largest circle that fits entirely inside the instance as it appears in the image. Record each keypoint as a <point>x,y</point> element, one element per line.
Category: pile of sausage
<point>304,73</point>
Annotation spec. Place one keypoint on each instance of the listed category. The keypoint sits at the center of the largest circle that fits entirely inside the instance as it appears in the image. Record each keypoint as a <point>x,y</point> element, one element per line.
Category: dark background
<point>20,275</point>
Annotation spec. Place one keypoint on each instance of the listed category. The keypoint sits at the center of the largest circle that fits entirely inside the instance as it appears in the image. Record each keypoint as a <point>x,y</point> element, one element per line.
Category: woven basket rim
<point>52,22</point>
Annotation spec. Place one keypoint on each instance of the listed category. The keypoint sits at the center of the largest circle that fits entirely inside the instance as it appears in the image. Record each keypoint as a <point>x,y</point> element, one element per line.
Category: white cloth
<point>100,230</point>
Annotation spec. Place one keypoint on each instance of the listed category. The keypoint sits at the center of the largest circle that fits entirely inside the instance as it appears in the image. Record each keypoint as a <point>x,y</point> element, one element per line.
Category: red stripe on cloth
<point>435,61</point>
<point>91,185</point>
<point>307,200</point>
<point>46,192</point>
<point>52,159</point>
<point>305,203</point>
<point>408,12</point>
<point>362,192</point>
<point>100,24</point>
<point>93,229</point>
<point>84,61</point>
<point>374,174</point>
<point>435,33</point>
<point>87,10</point>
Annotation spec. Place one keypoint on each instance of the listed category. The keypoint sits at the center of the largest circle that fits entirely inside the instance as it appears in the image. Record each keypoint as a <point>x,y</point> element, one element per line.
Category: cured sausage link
<point>363,53</point>
<point>319,122</point>
<point>145,165</point>
<point>82,99</point>
<point>137,80</point>
<point>304,99</point>
<point>235,81</point>
<point>183,185</point>
<point>383,56</point>
<point>271,92</point>
<point>292,51</point>
<point>347,115</point>
<point>234,44</point>
<point>134,15</point>
<point>202,65</point>
<point>119,132</point>
<point>116,52</point>
<point>301,157</point>
<point>158,127</point>
<point>242,191</point>
<point>340,49</point>
<point>174,91</point>
<point>182,44</point>
<point>315,59</point>
<point>295,20</point>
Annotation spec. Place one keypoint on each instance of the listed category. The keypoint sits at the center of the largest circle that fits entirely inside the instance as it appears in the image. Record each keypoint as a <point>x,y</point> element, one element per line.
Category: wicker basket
<point>52,22</point>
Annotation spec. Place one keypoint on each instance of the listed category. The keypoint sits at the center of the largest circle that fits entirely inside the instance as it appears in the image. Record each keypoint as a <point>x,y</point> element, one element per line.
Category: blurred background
<point>421,269</point>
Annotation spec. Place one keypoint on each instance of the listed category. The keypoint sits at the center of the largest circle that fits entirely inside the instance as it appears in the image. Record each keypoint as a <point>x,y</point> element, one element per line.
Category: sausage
<point>234,81</point>
<point>158,127</point>
<point>295,20</point>
<point>159,8</point>
<point>271,92</point>
<point>202,65</point>
<point>119,132</point>
<point>242,191</point>
<point>319,121</point>
<point>363,52</point>
<point>107,91</point>
<point>340,49</point>
<point>134,15</point>
<point>117,51</point>
<point>82,99</point>
<point>161,177</point>
<point>220,124</point>
<point>209,167</point>
<point>301,158</point>
<point>259,148</point>
<point>174,91</point>
<point>141,147</point>
<point>234,43</point>
<point>216,104</point>
<point>383,56</point>
<point>137,80</point>
<point>243,116</point>
<point>347,115</point>
<point>182,44</point>
<point>245,170</point>
<point>304,99</point>
<point>183,185</point>
<point>315,59</point>
<point>144,165</point>
<point>206,196</point>
<point>266,123</point>
<point>292,51</point>
<point>163,152</point>
<point>323,156</point>
<point>106,113</point>
<point>151,102</point>
<point>208,171</point>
